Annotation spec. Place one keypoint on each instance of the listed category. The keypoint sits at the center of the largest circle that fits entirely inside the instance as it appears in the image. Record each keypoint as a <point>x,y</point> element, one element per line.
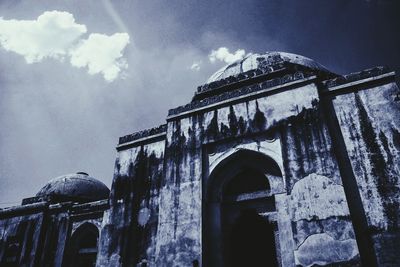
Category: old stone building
<point>276,161</point>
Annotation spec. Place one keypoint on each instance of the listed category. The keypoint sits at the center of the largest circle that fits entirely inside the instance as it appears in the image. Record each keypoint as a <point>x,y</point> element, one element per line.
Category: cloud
<point>56,35</point>
<point>224,55</point>
<point>101,54</point>
<point>50,35</point>
<point>195,66</point>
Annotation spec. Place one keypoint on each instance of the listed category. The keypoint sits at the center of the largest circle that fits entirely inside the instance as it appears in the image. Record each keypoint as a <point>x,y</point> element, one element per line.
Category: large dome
<point>79,186</point>
<point>256,61</point>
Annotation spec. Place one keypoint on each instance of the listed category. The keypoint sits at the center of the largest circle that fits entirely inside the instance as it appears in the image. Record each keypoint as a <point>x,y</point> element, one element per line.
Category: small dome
<point>77,186</point>
<point>255,61</point>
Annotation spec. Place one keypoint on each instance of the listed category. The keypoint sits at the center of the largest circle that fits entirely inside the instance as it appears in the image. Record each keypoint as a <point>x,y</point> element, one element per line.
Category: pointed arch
<point>244,180</point>
<point>235,163</point>
<point>82,246</point>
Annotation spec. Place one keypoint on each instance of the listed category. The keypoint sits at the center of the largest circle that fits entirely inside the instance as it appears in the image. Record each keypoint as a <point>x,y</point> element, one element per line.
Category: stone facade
<point>274,144</point>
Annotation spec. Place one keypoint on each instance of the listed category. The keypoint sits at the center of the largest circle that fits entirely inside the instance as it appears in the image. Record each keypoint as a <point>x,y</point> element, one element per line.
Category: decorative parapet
<point>248,75</point>
<point>37,205</point>
<point>24,209</point>
<point>143,134</point>
<point>94,206</point>
<point>31,200</point>
<point>195,104</point>
<point>352,77</point>
<point>267,68</point>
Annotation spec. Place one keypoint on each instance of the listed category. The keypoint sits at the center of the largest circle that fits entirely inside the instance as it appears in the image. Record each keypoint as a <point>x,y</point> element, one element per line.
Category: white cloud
<point>224,55</point>
<point>195,66</point>
<point>101,54</point>
<point>55,34</point>
<point>50,35</point>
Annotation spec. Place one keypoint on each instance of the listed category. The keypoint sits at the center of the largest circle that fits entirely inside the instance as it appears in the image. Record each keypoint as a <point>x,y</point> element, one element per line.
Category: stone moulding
<point>91,206</point>
<point>142,135</point>
<point>46,206</point>
<point>32,200</point>
<point>340,80</point>
<point>258,87</point>
<point>356,85</point>
<point>275,65</point>
<point>24,210</point>
<point>356,76</point>
<point>248,75</point>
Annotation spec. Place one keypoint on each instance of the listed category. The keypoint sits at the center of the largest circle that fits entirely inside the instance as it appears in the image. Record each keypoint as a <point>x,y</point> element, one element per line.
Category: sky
<point>75,75</point>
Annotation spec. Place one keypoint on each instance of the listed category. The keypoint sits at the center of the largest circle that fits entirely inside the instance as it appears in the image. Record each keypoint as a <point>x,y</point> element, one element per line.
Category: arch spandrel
<point>269,148</point>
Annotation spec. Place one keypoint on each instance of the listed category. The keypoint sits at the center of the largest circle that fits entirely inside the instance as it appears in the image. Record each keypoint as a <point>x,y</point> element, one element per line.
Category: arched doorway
<point>82,250</point>
<point>240,215</point>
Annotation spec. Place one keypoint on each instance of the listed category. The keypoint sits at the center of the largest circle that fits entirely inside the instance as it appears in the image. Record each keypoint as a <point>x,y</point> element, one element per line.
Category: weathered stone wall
<point>157,194</point>
<point>370,122</point>
<point>316,201</point>
<point>54,239</point>
<point>129,230</point>
<point>321,224</point>
<point>179,233</point>
<point>23,232</point>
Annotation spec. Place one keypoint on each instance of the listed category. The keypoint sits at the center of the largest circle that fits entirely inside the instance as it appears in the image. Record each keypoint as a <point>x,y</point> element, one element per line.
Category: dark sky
<point>57,119</point>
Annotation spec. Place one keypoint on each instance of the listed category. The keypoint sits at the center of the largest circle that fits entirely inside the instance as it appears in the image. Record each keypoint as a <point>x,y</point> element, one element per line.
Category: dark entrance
<point>252,241</point>
<point>238,211</point>
<point>83,247</point>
